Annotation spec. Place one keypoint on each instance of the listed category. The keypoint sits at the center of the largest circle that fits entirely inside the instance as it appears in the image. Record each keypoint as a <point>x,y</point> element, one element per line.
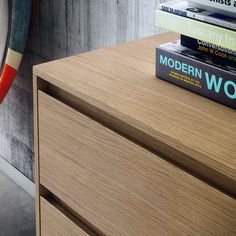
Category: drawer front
<point>54,223</point>
<point>119,187</point>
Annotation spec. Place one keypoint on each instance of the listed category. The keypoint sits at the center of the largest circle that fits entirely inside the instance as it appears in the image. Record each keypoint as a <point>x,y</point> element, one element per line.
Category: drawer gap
<point>69,213</point>
<point>177,158</point>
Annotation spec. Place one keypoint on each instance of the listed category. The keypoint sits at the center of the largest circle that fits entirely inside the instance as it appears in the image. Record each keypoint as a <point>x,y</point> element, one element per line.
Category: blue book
<point>196,72</point>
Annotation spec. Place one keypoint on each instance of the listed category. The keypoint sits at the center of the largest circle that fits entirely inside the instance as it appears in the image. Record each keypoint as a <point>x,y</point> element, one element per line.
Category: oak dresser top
<point>119,85</point>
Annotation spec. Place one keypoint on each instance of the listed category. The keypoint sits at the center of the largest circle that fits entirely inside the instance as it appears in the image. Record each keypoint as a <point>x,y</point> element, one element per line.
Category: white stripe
<point>13,58</point>
<point>17,177</point>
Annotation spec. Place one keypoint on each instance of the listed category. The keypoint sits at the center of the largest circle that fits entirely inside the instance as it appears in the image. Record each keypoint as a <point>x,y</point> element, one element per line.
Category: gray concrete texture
<point>17,210</point>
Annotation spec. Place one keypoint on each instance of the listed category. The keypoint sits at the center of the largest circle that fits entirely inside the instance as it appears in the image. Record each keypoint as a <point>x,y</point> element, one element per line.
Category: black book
<point>222,55</point>
<point>196,72</point>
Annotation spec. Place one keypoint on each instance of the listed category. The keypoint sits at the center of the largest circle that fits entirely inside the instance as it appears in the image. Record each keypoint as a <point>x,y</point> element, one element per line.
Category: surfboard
<point>19,24</point>
<point>4,29</point>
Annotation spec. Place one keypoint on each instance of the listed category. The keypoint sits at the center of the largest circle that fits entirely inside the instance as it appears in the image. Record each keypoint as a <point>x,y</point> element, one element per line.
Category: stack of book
<point>204,59</point>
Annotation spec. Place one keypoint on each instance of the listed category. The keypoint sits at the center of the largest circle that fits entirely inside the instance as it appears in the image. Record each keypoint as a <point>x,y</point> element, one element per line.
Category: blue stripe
<point>20,24</point>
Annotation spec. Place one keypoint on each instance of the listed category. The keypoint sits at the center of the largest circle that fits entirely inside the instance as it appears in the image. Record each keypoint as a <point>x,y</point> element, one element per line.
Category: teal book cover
<point>196,72</point>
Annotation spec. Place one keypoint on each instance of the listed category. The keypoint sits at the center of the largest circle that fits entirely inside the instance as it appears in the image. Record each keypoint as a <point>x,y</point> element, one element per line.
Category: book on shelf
<point>223,6</point>
<point>196,29</point>
<point>221,55</point>
<point>182,8</point>
<point>196,72</point>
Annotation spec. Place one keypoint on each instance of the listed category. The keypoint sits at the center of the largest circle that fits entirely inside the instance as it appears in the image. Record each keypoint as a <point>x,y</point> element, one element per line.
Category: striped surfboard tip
<point>9,72</point>
<point>18,36</point>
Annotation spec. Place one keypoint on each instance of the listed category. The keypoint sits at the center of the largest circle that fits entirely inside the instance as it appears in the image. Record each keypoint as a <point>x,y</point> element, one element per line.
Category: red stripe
<point>6,80</point>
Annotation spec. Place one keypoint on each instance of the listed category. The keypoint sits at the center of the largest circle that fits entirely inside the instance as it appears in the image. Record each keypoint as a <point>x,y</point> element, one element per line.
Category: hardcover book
<point>229,6</point>
<point>196,29</point>
<point>182,8</point>
<point>221,55</point>
<point>196,72</point>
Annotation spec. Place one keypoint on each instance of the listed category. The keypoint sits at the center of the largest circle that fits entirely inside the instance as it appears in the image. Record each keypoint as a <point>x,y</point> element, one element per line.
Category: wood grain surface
<point>61,28</point>
<point>54,223</point>
<point>119,187</point>
<point>120,82</point>
<point>36,156</point>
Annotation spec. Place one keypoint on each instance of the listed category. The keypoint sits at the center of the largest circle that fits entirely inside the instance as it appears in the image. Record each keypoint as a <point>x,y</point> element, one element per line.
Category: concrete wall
<point>60,28</point>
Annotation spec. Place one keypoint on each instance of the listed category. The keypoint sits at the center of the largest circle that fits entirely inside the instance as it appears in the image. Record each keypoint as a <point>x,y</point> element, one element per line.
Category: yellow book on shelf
<point>196,29</point>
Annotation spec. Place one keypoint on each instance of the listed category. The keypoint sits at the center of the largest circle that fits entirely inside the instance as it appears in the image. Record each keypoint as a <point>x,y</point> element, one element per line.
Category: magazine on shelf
<point>222,6</point>
<point>221,55</point>
<point>196,29</point>
<point>183,8</point>
<point>196,72</point>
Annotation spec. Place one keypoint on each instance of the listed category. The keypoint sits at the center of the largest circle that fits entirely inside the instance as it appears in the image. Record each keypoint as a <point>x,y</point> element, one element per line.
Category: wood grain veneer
<point>119,187</point>
<point>55,223</point>
<point>36,156</point>
<point>120,82</point>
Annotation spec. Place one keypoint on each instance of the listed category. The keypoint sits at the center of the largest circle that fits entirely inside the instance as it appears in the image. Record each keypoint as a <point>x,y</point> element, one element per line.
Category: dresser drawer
<point>55,223</point>
<point>119,187</point>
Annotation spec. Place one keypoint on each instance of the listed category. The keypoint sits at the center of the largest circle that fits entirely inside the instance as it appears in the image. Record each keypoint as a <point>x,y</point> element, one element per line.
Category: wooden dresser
<point>119,152</point>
